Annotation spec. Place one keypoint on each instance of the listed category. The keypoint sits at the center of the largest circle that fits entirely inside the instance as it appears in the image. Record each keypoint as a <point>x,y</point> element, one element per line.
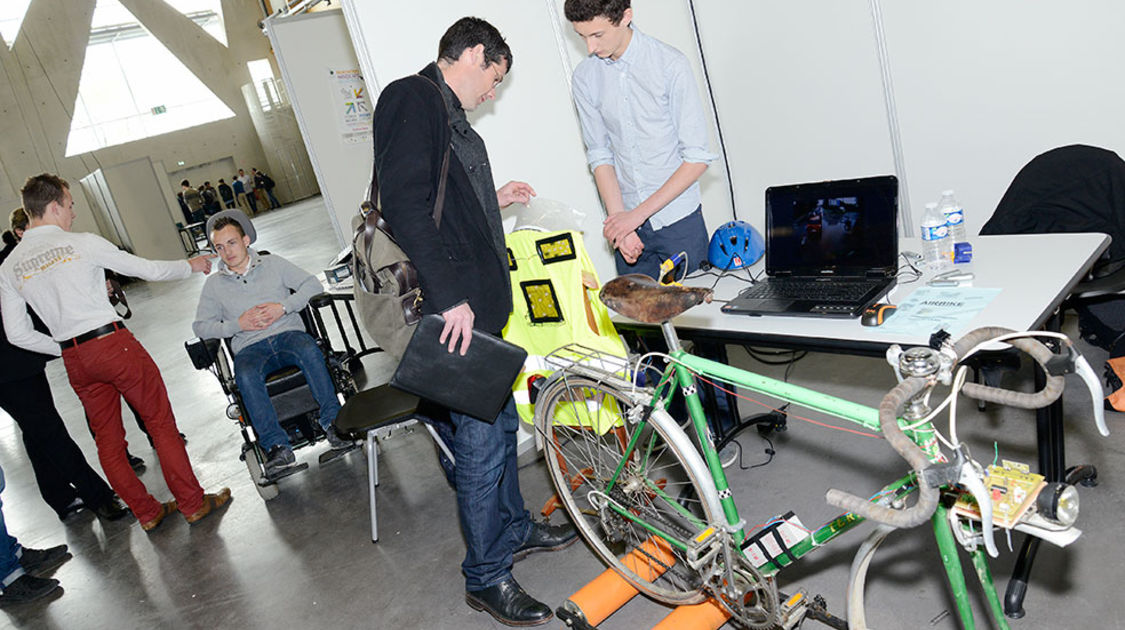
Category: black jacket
<point>457,261</point>
<point>1075,188</point>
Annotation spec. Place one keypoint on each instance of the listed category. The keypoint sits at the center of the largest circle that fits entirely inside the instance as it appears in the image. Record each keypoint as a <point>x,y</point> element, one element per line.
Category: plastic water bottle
<point>936,247</point>
<point>954,216</point>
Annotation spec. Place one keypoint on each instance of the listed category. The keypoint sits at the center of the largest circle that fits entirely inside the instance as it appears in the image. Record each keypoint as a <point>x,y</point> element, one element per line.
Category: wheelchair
<point>297,410</point>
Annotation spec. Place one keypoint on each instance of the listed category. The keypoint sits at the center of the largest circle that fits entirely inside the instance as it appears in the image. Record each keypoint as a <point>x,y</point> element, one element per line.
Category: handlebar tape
<point>927,496</point>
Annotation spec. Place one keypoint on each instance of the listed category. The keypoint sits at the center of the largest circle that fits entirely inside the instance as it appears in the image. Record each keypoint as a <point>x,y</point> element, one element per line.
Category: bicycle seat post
<point>670,336</point>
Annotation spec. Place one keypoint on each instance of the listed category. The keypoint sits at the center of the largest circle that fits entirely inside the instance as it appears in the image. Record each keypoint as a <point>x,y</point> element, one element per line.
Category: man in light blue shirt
<point>646,137</point>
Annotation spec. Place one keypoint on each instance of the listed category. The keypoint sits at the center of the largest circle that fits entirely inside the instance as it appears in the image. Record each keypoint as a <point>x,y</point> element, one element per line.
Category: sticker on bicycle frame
<point>511,260</point>
<point>542,301</point>
<point>774,542</point>
<point>556,249</point>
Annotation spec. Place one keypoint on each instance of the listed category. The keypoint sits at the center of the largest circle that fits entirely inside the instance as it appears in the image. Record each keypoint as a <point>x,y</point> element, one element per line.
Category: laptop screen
<point>845,227</point>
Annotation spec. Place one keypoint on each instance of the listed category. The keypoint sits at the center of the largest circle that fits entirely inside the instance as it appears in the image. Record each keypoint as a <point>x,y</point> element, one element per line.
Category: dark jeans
<point>493,519</point>
<point>254,362</point>
<point>10,550</point>
<point>689,235</point>
<point>60,468</point>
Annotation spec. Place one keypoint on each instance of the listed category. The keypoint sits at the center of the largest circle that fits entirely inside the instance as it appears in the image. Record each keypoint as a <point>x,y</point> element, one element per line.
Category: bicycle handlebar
<point>889,408</point>
<point>927,495</point>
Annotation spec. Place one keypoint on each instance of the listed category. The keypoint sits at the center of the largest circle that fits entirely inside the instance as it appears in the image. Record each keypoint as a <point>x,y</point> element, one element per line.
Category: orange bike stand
<point>709,615</point>
<point>608,592</point>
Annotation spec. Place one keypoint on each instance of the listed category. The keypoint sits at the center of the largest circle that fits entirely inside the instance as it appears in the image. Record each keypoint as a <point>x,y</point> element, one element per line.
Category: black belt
<point>93,334</point>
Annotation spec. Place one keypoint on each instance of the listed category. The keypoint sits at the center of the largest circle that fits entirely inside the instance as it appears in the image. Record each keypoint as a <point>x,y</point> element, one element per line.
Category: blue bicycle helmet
<point>735,245</point>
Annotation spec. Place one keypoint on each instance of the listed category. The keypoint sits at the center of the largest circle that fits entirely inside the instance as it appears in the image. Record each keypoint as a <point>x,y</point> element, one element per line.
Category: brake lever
<point>972,479</point>
<point>1082,367</point>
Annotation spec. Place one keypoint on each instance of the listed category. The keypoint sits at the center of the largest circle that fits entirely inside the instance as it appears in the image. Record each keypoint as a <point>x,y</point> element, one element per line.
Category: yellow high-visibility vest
<point>554,307</point>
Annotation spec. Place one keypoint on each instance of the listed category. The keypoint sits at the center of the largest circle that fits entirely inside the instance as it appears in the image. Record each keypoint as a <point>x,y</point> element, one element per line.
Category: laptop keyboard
<point>811,290</point>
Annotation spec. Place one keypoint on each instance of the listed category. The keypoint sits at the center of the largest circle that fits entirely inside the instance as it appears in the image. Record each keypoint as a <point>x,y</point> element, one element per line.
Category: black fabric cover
<point>1076,188</point>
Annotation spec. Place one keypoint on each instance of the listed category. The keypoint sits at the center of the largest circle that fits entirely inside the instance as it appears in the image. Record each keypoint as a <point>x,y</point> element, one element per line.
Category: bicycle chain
<point>676,569</point>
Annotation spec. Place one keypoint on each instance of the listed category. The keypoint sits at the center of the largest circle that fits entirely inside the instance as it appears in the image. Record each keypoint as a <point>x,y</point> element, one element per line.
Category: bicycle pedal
<point>703,548</point>
<point>794,609</point>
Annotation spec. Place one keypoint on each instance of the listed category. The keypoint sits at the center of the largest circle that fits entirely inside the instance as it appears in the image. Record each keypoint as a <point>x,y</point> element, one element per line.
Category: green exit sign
<point>159,109</point>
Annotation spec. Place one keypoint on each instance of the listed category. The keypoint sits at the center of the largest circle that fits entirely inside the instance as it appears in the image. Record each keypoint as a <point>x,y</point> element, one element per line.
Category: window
<point>206,13</point>
<point>132,87</point>
<point>269,90</point>
<point>11,16</point>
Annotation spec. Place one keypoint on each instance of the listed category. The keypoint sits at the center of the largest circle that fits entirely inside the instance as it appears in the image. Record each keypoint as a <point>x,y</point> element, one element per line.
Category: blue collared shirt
<point>642,115</point>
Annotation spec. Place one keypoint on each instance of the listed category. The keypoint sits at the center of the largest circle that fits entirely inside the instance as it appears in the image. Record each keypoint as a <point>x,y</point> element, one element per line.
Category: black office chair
<point>1076,188</point>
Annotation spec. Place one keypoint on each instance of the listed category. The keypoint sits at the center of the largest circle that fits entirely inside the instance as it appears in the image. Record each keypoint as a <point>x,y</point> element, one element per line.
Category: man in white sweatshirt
<point>61,275</point>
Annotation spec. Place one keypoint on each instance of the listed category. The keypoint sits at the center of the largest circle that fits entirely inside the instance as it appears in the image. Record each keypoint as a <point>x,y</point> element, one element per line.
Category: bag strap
<point>373,192</point>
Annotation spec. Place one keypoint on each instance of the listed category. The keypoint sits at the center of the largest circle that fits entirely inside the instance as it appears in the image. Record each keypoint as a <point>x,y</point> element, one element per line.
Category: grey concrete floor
<point>305,558</point>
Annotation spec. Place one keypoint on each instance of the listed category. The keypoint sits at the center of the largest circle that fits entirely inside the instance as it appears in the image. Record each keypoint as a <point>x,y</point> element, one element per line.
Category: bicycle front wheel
<point>639,512</point>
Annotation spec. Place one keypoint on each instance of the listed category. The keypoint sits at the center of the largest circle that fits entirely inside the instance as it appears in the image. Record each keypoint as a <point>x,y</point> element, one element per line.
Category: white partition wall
<point>981,88</point>
<point>311,50</point>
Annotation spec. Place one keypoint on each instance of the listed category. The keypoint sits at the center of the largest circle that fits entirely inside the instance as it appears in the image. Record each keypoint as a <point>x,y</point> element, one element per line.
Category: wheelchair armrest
<point>202,352</point>
<point>320,300</point>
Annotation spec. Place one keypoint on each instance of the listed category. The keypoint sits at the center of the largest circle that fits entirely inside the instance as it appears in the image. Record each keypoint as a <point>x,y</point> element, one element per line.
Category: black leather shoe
<point>40,561</point>
<point>509,604</point>
<point>544,537</point>
<point>112,510</point>
<point>27,588</point>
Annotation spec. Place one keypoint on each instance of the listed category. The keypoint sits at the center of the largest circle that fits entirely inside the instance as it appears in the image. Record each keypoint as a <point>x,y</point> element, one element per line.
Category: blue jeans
<point>254,362</point>
<point>689,235</point>
<point>489,502</point>
<point>10,550</point>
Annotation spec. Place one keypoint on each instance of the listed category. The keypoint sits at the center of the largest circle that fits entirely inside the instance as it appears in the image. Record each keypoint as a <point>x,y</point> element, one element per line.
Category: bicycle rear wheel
<point>587,426</point>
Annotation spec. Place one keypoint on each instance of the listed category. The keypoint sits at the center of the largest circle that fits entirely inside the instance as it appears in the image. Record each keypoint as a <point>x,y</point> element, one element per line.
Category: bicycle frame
<point>681,373</point>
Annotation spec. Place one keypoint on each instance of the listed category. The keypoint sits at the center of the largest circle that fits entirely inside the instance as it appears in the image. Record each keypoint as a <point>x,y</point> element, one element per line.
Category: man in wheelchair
<point>255,300</point>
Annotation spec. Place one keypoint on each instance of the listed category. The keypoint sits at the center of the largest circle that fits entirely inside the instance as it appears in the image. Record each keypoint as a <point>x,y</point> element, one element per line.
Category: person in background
<point>18,221</point>
<point>264,183</point>
<point>263,187</point>
<point>251,194</point>
<point>193,200</point>
<point>22,570</point>
<point>227,194</point>
<point>210,199</point>
<point>61,275</point>
<point>242,196</point>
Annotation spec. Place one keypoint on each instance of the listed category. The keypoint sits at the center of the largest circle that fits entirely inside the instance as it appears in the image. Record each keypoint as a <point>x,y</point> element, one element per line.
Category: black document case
<point>477,384</point>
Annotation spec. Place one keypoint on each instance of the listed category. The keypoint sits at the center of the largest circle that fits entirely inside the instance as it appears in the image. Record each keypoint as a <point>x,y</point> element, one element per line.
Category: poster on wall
<point>353,109</point>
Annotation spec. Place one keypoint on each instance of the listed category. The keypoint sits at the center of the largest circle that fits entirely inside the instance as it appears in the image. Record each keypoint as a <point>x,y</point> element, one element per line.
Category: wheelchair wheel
<point>585,438</point>
<point>257,475</point>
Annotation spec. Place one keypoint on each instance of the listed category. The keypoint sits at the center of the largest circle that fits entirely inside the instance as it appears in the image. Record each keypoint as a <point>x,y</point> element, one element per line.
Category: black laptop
<point>831,249</point>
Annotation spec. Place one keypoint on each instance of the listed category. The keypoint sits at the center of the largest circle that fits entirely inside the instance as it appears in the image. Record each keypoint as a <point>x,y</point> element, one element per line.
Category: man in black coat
<point>463,270</point>
<point>66,482</point>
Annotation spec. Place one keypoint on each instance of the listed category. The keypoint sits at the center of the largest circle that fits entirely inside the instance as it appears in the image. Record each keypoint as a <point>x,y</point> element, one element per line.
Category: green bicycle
<point>650,496</point>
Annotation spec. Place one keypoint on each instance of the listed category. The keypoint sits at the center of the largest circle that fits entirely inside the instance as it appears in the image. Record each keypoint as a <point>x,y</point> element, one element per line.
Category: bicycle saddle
<point>642,298</point>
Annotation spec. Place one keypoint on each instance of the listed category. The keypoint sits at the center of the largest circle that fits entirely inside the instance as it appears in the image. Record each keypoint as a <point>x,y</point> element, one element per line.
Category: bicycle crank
<point>749,597</point>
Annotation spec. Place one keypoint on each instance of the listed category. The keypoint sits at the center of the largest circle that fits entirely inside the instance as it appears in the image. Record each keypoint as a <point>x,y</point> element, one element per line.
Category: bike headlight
<point>1058,502</point>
